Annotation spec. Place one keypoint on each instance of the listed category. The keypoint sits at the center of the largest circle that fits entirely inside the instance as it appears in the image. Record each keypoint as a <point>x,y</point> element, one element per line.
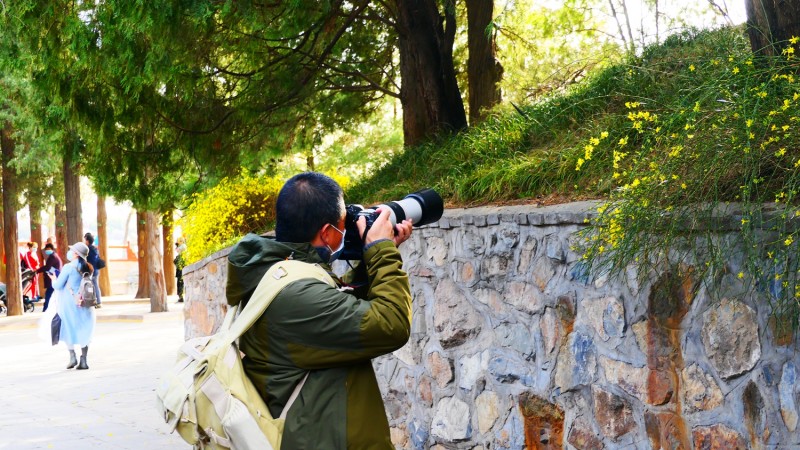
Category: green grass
<point>532,154</point>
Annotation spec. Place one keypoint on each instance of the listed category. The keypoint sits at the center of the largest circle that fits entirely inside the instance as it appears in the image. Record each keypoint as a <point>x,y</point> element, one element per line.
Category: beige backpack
<point>208,398</point>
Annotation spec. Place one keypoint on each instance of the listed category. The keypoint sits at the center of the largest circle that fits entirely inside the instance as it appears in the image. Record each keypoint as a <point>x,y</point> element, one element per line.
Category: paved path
<point>109,406</point>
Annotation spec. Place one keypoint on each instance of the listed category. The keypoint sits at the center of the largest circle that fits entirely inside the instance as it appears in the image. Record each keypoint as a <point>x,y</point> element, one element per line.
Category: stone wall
<point>514,345</point>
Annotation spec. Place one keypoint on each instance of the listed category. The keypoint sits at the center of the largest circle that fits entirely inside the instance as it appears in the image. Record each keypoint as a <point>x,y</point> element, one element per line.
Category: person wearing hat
<point>77,323</point>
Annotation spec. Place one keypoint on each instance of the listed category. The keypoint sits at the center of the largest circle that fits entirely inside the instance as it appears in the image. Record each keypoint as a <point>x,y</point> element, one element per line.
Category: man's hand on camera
<point>381,228</point>
<point>403,229</point>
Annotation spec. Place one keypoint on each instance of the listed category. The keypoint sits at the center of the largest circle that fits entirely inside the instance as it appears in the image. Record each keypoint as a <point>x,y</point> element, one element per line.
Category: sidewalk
<point>115,308</point>
<point>109,406</point>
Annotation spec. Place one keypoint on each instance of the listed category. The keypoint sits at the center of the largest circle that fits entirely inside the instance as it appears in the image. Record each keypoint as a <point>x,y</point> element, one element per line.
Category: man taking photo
<point>314,329</point>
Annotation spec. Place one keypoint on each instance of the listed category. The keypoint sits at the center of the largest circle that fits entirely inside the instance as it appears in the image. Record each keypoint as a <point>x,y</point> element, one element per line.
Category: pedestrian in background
<point>52,264</point>
<point>180,263</point>
<point>93,259</point>
<point>77,322</point>
<point>32,262</point>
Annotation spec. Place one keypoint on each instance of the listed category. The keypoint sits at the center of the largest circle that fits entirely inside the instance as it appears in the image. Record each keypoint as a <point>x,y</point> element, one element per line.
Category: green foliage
<point>728,133</point>
<point>221,215</point>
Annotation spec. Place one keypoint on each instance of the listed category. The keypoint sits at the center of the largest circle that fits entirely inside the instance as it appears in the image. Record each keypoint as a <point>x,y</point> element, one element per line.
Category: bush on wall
<point>220,216</point>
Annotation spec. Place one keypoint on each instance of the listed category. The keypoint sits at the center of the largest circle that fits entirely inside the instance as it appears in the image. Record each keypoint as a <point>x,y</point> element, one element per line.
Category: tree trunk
<point>13,279</point>
<point>2,241</point>
<point>169,255</point>
<point>771,23</point>
<point>36,236</point>
<point>102,245</point>
<point>72,195</point>
<point>61,242</point>
<point>141,252</point>
<point>484,71</point>
<point>154,270</point>
<point>429,92</point>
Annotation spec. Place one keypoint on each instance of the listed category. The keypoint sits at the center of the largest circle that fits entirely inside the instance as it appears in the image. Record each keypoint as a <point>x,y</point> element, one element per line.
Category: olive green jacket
<point>330,333</point>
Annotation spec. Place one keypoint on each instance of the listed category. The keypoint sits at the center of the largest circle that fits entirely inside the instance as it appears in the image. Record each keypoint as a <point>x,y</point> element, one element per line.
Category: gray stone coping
<point>204,262</point>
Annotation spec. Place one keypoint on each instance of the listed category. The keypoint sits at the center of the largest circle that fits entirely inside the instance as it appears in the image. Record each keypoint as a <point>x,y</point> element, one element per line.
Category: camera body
<point>421,207</point>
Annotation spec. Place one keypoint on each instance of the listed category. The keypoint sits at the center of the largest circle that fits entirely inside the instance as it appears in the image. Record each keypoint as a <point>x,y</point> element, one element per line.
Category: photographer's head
<point>310,208</point>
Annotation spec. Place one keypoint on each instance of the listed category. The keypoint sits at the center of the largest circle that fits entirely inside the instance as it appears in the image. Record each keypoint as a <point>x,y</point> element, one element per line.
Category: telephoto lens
<point>421,207</point>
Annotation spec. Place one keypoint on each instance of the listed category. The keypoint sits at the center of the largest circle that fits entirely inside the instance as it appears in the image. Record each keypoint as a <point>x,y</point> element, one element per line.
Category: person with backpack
<point>77,321</point>
<point>320,335</point>
<point>96,262</point>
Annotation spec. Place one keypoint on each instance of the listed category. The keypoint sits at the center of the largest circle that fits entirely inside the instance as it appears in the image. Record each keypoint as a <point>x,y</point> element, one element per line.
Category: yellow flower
<point>683,185</point>
<point>781,152</point>
<point>788,241</point>
<point>691,67</point>
<point>580,163</point>
<point>740,275</point>
<point>735,70</point>
<point>604,135</point>
<point>749,123</point>
<point>793,40</point>
<point>623,141</point>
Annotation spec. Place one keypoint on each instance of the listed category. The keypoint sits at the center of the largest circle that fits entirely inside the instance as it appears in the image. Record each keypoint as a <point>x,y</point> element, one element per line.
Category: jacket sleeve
<point>323,327</point>
<point>45,267</point>
<point>63,278</point>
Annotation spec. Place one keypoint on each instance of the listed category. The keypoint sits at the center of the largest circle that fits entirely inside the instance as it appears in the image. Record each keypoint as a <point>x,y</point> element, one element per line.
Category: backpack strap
<point>280,275</point>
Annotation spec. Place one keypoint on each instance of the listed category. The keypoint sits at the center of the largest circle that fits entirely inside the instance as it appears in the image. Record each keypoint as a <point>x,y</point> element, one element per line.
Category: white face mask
<point>70,256</point>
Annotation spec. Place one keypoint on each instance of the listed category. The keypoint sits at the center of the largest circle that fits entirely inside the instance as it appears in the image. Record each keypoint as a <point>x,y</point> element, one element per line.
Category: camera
<point>421,207</point>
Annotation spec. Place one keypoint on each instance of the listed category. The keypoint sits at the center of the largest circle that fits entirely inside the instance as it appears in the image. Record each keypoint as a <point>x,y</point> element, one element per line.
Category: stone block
<point>487,409</point>
<point>730,337</point>
<point>543,272</point>
<point>507,367</point>
<point>440,368</point>
<point>451,421</point>
<point>436,251</point>
<point>512,435</point>
<point>524,297</point>
<point>521,219</point>
<point>606,316</point>
<point>613,413</point>
<point>543,421</point>
<point>494,266</point>
<point>492,219</point>
<point>536,219</point>
<point>700,390</point>
<point>582,437</point>
<point>630,378</point>
<point>577,363</point>
<point>444,223</point>
<point>454,318</point>
<point>418,434</point>
<point>517,337</point>
<point>467,273</point>
<point>786,390</point>
<point>555,250</point>
<point>425,392</point>
<point>471,368</point>
<point>667,430</point>
<point>399,436</point>
<point>467,219</point>
<point>717,436</point>
<point>480,221</point>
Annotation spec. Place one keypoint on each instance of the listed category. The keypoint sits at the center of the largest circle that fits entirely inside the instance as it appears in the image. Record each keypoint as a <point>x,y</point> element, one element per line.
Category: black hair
<point>84,266</point>
<point>306,202</point>
<point>89,238</point>
<point>49,245</point>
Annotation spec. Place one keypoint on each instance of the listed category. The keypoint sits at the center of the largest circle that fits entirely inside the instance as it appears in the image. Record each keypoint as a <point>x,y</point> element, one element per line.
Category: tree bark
<point>154,270</point>
<point>141,253</point>
<point>2,239</point>
<point>10,244</point>
<point>771,23</point>
<point>72,196</point>
<point>102,245</point>
<point>484,71</point>
<point>61,242</point>
<point>169,255</point>
<point>429,93</point>
<point>36,236</point>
